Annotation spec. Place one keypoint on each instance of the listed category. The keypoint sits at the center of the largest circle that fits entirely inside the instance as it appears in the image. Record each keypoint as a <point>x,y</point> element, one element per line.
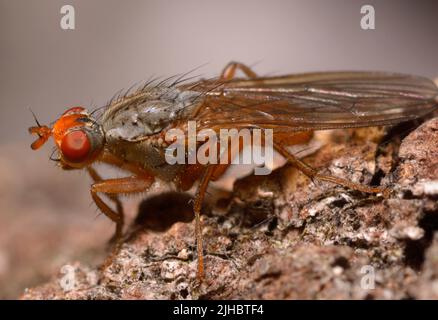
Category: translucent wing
<point>312,101</point>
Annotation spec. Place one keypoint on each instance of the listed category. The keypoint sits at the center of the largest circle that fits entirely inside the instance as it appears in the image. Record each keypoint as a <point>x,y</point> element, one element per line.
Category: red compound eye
<point>75,146</point>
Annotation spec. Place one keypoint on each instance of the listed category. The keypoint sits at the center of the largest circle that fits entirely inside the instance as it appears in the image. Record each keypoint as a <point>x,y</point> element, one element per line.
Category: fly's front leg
<point>230,69</point>
<point>114,198</point>
<point>312,173</point>
<point>113,187</point>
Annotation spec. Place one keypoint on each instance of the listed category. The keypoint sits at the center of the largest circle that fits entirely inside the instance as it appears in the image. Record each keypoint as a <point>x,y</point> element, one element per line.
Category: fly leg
<point>230,69</point>
<point>313,174</point>
<point>197,205</point>
<point>119,207</point>
<point>111,188</point>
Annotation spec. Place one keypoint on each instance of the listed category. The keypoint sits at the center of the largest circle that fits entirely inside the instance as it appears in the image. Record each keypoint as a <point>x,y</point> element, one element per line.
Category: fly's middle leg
<point>230,69</point>
<point>313,174</point>
<point>197,205</point>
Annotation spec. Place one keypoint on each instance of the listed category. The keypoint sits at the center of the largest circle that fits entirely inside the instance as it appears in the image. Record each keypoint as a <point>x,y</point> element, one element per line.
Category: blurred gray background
<point>45,217</point>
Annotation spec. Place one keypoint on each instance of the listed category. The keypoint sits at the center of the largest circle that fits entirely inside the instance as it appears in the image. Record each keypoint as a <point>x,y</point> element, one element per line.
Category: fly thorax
<point>139,119</point>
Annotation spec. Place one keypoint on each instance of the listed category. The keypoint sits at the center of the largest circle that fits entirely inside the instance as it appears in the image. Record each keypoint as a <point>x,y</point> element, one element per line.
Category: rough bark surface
<point>283,236</point>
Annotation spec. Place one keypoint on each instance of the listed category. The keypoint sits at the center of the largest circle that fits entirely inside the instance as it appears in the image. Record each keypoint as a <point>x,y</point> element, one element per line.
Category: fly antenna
<point>43,133</point>
<point>35,118</point>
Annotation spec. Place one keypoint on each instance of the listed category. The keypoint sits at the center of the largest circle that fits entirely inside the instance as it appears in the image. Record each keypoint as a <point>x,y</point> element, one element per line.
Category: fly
<point>130,133</point>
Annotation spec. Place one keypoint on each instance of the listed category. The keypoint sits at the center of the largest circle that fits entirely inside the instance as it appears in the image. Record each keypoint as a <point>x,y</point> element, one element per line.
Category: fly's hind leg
<point>313,174</point>
<point>230,69</point>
